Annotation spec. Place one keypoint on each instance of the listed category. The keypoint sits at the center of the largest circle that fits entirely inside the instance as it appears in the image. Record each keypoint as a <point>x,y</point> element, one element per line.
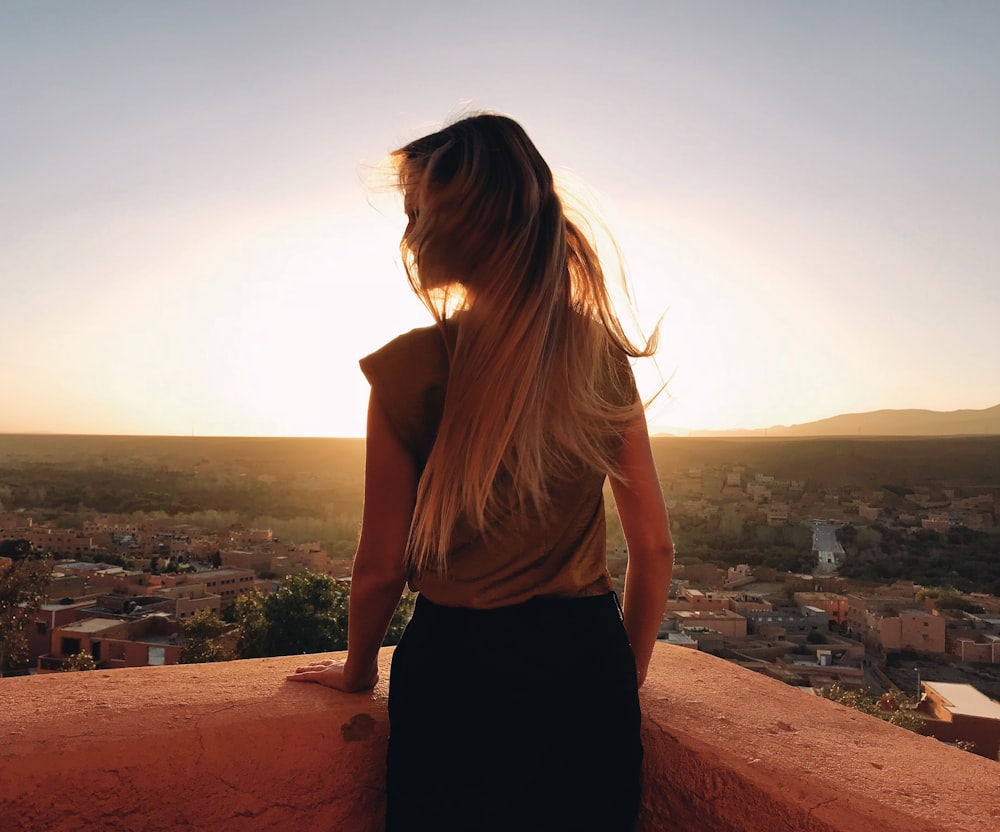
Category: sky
<point>807,193</point>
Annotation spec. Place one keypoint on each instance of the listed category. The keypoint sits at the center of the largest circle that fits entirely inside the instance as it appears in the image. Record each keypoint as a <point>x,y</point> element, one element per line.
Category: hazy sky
<point>809,190</point>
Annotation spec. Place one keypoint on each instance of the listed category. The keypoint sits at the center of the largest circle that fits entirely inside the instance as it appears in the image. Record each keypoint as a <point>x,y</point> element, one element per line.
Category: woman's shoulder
<point>410,367</point>
<point>409,376</point>
<point>422,347</point>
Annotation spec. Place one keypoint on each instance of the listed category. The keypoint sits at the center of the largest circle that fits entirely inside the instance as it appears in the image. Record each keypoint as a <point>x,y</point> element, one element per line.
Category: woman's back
<point>513,698</point>
<point>556,551</point>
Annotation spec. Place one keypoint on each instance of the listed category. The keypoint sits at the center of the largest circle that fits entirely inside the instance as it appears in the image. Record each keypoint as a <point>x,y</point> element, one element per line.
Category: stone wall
<point>233,746</point>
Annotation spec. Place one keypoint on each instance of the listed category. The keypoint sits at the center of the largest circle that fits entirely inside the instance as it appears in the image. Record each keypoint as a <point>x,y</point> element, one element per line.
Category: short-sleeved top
<point>562,553</point>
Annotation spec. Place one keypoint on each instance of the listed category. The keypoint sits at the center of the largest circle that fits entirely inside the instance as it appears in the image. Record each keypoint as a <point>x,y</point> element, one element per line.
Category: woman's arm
<point>650,547</point>
<point>379,574</point>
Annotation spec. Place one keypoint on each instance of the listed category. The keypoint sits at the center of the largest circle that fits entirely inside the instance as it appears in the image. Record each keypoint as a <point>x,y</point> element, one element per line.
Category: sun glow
<point>304,303</point>
<point>255,328</point>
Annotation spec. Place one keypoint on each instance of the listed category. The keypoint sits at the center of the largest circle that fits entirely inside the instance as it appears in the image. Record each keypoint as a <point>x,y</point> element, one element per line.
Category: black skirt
<point>518,718</point>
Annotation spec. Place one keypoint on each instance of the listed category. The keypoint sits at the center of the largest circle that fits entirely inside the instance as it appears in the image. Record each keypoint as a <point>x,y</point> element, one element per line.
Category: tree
<point>19,549</point>
<point>200,634</point>
<point>307,614</point>
<point>847,534</point>
<point>247,613</point>
<point>895,706</point>
<point>79,661</point>
<point>24,583</point>
<point>400,618</point>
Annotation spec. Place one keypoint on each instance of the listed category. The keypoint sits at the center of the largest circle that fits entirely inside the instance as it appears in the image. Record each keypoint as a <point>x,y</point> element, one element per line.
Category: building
<point>115,642</point>
<point>256,560</point>
<point>970,645</point>
<point>960,713</point>
<point>12,526</point>
<point>724,622</point>
<point>226,583</point>
<point>897,597</point>
<point>188,598</point>
<point>248,538</point>
<point>291,559</point>
<point>68,586</point>
<point>706,639</point>
<point>937,521</point>
<point>834,604</point>
<point>60,542</point>
<point>678,639</point>
<point>744,604</point>
<point>702,573</point>
<point>739,575</point>
<point>869,512</point>
<point>909,629</point>
<point>777,514</point>
<point>49,617</point>
<point>800,620</point>
<point>694,599</point>
<point>817,673</point>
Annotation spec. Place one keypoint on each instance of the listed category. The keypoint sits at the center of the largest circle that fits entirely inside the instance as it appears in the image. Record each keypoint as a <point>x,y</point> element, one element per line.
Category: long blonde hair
<point>538,382</point>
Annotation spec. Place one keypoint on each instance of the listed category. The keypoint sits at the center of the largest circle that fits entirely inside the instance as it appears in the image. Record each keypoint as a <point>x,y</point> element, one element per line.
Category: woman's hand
<point>333,673</point>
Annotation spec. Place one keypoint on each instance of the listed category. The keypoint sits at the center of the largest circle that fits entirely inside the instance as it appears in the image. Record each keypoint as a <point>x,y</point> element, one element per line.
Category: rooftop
<point>75,603</point>
<point>965,700</point>
<point>702,615</point>
<point>91,625</point>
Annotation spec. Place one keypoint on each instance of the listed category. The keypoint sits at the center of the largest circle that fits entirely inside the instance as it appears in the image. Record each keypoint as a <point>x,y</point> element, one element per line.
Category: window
<point>41,628</point>
<point>156,656</point>
<point>70,646</point>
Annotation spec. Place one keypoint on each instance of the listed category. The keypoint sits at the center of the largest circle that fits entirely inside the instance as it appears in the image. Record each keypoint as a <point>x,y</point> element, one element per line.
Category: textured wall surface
<point>234,747</point>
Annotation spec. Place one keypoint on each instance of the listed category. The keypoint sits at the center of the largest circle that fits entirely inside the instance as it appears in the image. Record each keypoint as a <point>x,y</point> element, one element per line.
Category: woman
<point>513,698</point>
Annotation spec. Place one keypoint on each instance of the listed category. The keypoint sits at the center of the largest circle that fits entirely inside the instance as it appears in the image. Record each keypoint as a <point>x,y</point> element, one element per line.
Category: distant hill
<point>886,423</point>
<point>826,461</point>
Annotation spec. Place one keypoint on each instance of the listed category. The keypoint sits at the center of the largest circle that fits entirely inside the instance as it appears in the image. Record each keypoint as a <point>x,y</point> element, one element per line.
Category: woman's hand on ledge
<point>333,673</point>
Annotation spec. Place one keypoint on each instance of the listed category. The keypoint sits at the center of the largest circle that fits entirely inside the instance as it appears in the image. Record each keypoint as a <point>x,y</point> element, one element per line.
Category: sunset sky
<point>809,191</point>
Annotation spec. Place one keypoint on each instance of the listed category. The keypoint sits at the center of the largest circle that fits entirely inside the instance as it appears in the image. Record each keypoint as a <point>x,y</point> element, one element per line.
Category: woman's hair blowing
<point>537,385</point>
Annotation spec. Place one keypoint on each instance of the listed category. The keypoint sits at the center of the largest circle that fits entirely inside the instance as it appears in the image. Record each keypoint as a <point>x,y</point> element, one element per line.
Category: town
<point>801,579</point>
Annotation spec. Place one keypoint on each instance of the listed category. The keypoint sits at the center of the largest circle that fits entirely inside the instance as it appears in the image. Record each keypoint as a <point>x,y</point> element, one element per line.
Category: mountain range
<point>885,423</point>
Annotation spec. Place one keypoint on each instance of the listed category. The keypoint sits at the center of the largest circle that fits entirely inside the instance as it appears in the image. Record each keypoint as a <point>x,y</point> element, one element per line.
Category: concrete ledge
<point>233,746</point>
<point>733,750</point>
